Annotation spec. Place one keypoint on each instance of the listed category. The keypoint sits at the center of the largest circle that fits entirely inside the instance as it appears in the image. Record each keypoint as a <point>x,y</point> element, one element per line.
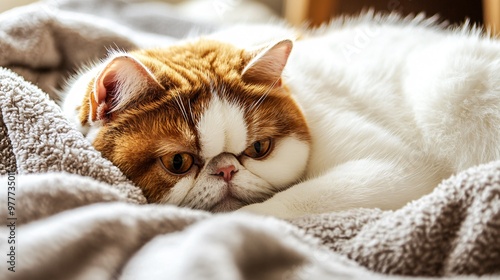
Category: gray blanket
<point>71,214</point>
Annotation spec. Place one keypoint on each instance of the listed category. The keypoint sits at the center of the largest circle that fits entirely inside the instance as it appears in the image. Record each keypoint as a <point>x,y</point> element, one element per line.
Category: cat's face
<point>203,125</point>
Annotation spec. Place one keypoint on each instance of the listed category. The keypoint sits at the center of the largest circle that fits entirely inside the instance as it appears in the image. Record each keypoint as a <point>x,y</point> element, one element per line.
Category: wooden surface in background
<point>315,12</point>
<point>491,12</point>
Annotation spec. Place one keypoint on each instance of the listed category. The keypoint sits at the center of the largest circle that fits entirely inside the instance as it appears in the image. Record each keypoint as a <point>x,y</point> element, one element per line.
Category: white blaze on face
<point>222,128</point>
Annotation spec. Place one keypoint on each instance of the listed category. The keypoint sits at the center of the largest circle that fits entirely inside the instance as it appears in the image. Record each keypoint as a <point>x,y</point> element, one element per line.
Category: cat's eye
<point>259,149</point>
<point>177,164</point>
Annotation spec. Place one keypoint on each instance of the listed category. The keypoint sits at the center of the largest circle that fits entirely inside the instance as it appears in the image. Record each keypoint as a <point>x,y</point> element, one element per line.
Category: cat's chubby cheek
<point>287,164</point>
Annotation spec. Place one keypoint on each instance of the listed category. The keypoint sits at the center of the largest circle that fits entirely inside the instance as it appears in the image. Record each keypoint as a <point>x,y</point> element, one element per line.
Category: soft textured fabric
<point>78,217</point>
<point>453,230</point>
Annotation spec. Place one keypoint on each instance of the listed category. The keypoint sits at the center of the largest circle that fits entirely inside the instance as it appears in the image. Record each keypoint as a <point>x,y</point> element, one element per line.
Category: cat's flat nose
<point>226,172</point>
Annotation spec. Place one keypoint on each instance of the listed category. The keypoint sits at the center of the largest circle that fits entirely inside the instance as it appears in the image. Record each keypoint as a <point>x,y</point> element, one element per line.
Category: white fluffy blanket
<point>74,215</point>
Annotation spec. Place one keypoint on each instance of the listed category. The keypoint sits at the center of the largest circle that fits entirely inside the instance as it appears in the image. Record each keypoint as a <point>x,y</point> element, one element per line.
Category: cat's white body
<point>393,109</point>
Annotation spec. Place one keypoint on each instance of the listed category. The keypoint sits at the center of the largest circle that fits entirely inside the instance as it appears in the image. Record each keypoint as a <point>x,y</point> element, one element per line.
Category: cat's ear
<point>121,81</point>
<point>266,67</point>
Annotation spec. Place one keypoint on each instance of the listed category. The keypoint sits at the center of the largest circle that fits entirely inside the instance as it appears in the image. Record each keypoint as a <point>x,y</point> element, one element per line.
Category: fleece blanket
<point>70,214</point>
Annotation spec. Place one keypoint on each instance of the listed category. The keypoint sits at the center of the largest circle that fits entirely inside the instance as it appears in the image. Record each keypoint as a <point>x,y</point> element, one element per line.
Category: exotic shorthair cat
<point>362,113</point>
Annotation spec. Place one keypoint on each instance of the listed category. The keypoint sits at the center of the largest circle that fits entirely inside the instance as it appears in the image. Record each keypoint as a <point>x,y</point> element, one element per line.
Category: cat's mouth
<point>227,203</point>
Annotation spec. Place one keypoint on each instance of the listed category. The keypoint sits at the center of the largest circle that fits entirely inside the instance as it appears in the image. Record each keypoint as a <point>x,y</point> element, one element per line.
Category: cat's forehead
<point>194,64</point>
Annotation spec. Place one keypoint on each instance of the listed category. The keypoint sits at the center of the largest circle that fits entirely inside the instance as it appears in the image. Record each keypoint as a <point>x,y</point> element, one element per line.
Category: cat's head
<point>203,125</point>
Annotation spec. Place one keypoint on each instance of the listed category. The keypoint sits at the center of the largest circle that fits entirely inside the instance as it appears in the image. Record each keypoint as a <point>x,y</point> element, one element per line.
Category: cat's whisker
<point>183,108</point>
<point>256,105</point>
<point>178,100</point>
<point>191,110</point>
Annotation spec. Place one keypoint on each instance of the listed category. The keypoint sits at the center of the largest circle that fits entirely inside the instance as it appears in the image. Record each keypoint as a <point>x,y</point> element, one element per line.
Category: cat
<point>366,112</point>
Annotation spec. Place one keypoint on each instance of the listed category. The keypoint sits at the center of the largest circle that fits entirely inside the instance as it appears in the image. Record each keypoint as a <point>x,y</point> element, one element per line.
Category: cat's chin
<point>227,204</point>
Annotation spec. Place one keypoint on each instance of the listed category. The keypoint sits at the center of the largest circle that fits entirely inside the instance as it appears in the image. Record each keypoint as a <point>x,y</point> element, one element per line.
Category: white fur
<point>284,165</point>
<point>222,128</point>
<point>74,96</point>
<point>394,107</point>
<point>179,191</point>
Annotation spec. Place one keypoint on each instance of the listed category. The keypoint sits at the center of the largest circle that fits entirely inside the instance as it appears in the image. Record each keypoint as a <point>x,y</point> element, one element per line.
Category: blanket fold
<point>454,230</point>
<point>76,215</point>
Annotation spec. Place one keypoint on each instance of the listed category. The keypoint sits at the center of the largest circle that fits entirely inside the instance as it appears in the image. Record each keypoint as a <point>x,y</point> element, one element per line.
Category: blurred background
<point>315,12</point>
